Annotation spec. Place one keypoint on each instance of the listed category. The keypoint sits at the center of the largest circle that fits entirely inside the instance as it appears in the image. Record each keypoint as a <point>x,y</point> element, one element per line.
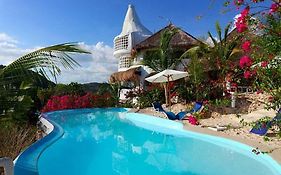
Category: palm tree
<point>219,56</point>
<point>18,79</point>
<point>162,58</point>
<point>42,61</point>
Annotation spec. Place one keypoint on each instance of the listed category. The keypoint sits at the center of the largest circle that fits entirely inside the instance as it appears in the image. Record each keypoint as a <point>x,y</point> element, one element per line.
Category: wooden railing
<point>242,89</point>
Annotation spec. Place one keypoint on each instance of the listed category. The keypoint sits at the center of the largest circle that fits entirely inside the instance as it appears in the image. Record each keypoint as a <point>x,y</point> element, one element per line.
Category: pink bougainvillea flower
<point>192,120</point>
<point>241,22</point>
<point>206,102</point>
<point>65,102</point>
<point>260,92</point>
<point>264,63</point>
<point>247,74</point>
<point>245,61</point>
<point>274,7</point>
<point>241,27</point>
<point>234,85</point>
<point>246,46</point>
<point>245,12</point>
<point>74,101</point>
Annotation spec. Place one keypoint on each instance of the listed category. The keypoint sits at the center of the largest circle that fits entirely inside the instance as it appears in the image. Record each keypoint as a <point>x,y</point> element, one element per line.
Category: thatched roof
<point>181,39</point>
<point>132,74</point>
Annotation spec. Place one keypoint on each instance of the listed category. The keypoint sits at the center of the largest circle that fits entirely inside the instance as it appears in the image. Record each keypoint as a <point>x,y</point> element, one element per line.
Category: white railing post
<point>233,99</point>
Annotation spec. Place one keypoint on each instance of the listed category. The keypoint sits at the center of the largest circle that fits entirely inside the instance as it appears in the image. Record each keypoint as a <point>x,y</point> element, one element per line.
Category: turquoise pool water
<point>112,141</point>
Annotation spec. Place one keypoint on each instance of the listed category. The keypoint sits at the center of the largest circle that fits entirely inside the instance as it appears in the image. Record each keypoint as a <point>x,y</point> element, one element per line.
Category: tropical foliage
<point>163,57</point>
<point>218,56</point>
<point>146,96</point>
<point>20,80</point>
<point>44,94</point>
<point>211,62</point>
<point>112,89</point>
<point>262,54</point>
<point>89,100</point>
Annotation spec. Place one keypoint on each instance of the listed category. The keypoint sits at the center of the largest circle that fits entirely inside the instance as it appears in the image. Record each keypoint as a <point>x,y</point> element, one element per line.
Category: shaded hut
<point>130,75</point>
<point>181,40</point>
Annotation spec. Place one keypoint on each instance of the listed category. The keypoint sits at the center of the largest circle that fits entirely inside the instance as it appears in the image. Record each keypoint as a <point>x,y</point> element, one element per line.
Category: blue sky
<point>56,21</point>
<point>29,24</point>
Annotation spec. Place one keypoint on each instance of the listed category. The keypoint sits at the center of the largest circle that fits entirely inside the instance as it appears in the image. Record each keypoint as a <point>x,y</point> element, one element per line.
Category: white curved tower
<point>132,33</point>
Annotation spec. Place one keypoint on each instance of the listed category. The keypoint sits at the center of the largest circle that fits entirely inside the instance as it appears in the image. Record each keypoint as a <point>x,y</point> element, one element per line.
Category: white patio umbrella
<point>165,77</point>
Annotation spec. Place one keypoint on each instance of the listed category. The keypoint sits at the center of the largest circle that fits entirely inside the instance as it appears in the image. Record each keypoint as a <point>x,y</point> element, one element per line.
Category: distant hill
<point>94,86</point>
<point>34,78</point>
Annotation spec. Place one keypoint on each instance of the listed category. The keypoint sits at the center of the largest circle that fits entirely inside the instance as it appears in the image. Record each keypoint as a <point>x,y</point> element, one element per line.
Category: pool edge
<point>32,169</point>
<point>53,133</point>
<point>32,153</point>
<point>214,138</point>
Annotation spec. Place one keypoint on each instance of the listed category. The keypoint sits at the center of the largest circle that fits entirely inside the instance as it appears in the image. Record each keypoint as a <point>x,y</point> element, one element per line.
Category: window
<point>121,42</point>
<point>125,62</point>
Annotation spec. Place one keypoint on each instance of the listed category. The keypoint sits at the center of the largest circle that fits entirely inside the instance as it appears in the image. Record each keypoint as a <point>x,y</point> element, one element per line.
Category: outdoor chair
<point>158,107</point>
<point>261,128</point>
<point>198,106</point>
<point>181,115</point>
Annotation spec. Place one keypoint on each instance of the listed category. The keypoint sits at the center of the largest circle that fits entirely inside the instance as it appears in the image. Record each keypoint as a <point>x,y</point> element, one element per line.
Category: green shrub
<point>146,97</point>
<point>60,90</point>
<point>221,102</point>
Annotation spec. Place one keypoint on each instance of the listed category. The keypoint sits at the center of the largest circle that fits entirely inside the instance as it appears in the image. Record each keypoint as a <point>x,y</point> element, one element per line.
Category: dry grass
<point>14,138</point>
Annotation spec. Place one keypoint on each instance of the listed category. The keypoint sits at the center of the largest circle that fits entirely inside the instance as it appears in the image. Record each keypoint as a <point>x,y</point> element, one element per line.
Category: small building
<point>131,45</point>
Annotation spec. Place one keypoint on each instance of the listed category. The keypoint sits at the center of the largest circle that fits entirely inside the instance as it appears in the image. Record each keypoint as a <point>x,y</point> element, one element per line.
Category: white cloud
<point>96,67</point>
<point>9,50</point>
<point>6,38</point>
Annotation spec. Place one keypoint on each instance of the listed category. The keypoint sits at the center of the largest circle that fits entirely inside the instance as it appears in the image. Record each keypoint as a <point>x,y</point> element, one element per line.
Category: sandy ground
<point>235,131</point>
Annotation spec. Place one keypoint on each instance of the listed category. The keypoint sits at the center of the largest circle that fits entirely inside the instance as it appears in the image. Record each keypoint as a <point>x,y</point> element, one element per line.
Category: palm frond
<point>166,37</point>
<point>226,30</point>
<point>218,28</point>
<point>235,51</point>
<point>213,39</point>
<point>43,60</point>
<point>164,56</point>
<point>190,52</point>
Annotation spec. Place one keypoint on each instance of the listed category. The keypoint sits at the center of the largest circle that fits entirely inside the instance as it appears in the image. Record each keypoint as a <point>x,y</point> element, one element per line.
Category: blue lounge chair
<point>158,107</point>
<point>171,115</point>
<point>197,107</point>
<point>181,115</point>
<point>261,128</point>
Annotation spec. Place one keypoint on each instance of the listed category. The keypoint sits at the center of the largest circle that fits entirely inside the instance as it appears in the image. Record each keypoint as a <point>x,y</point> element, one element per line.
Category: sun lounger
<point>171,115</point>
<point>197,107</point>
<point>261,128</point>
<point>158,107</point>
<point>181,115</point>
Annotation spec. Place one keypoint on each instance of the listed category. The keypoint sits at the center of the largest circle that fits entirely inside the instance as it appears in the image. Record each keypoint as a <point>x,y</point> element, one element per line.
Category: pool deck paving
<point>236,132</point>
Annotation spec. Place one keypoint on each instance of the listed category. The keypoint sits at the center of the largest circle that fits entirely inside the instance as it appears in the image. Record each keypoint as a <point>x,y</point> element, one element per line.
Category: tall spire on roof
<point>132,23</point>
<point>133,32</point>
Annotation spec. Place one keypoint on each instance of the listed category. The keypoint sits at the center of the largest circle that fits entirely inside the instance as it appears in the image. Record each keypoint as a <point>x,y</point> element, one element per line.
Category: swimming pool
<point>113,141</point>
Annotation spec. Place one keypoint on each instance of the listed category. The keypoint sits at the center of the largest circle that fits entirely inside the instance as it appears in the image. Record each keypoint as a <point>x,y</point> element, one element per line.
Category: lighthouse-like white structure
<point>133,32</point>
